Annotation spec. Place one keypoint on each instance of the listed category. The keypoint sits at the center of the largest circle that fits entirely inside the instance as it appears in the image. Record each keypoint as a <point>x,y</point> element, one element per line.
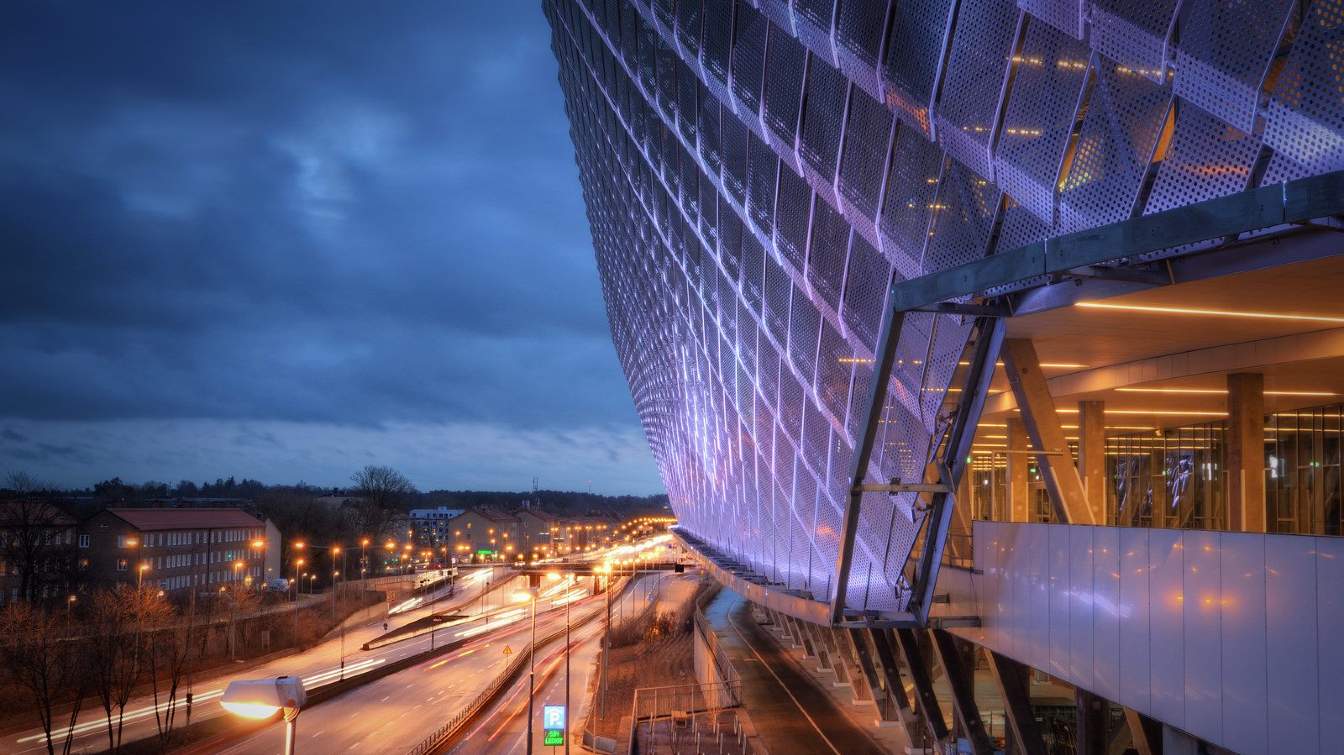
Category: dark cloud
<point>299,212</point>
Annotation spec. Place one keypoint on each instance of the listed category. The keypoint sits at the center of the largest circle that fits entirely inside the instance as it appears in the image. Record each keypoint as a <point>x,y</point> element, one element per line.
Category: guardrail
<point>447,732</point>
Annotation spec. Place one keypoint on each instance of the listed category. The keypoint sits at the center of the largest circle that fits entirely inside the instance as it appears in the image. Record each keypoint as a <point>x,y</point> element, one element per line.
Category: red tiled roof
<point>186,518</point>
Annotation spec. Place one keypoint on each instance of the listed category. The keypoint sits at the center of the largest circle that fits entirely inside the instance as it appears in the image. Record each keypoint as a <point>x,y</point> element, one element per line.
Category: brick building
<point>175,548</point>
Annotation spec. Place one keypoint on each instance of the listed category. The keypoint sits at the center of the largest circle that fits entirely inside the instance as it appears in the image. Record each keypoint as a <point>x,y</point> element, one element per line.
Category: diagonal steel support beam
<point>1042,423</point>
<point>919,676</point>
<point>1014,681</point>
<point>888,338</point>
<point>961,677</point>
<point>891,679</point>
<point>988,344</point>
<point>1146,733</point>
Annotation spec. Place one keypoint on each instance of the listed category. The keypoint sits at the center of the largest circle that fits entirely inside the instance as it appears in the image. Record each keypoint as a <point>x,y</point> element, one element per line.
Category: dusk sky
<point>286,240</point>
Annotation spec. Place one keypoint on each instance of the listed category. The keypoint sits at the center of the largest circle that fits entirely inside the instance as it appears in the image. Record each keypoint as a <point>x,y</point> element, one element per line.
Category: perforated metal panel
<point>1305,118</point>
<point>813,19</point>
<point>1065,15</point>
<point>963,215</point>
<point>1049,72</point>
<point>1134,35</point>
<point>912,182</point>
<point>785,60</point>
<point>864,155</point>
<point>1207,158</point>
<point>823,118</point>
<point>717,45</point>
<point>828,251</point>
<point>748,60</point>
<point>860,25</point>
<point>794,215</point>
<point>1224,53</point>
<point>974,83</point>
<point>762,169</point>
<point>919,37</point>
<point>1124,118</point>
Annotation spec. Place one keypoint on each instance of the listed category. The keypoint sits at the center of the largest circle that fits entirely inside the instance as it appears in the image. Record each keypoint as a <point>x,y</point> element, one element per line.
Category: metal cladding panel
<point>1106,613</point>
<point>1132,606</point>
<point>1290,582</point>
<point>1049,73</point>
<point>1081,602</point>
<point>912,184</point>
<point>1125,116</point>
<point>914,56</point>
<point>1305,118</point>
<point>1330,613</point>
<point>823,121</point>
<point>863,158</point>
<point>1224,52</point>
<point>1166,642</point>
<point>716,47</point>
<point>1203,636</point>
<point>976,67</point>
<point>785,61</point>
<point>1058,600</point>
<point>814,19</point>
<point>748,61</point>
<point>1245,707</point>
<point>1134,35</point>
<point>1206,159</point>
<point>1065,15</point>
<point>756,175</point>
<point>858,30</point>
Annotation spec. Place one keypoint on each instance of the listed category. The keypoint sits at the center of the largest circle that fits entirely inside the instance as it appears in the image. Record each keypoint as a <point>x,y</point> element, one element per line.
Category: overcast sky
<point>284,240</point>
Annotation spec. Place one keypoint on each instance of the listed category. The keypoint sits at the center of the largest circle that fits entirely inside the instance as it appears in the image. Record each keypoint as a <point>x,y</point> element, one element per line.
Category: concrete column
<point>1019,509</point>
<point>1245,439</point>
<point>1092,456</point>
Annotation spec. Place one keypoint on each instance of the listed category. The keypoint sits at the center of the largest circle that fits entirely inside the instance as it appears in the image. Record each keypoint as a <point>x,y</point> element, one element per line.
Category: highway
<point>503,728</point>
<point>394,713</point>
<point>317,665</point>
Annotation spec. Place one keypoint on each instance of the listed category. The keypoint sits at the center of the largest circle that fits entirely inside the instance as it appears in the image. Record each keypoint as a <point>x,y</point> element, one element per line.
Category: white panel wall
<point>1236,638</point>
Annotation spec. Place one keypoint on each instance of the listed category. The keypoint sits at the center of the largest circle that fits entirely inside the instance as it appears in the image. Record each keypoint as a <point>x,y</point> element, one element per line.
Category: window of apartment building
<point>83,541</point>
<point>121,564</point>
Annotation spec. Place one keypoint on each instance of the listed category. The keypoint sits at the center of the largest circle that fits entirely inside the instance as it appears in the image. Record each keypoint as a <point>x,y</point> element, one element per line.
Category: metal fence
<point>688,718</point>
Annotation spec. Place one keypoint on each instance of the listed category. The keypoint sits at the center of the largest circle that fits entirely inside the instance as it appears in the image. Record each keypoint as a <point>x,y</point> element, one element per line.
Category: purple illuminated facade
<point>758,172</point>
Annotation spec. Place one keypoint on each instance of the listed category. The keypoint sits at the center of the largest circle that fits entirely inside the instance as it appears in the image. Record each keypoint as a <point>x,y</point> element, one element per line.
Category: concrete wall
<point>1232,637</point>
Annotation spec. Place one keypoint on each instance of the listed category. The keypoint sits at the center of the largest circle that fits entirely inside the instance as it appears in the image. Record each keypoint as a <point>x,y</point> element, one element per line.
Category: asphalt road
<point>394,713</point>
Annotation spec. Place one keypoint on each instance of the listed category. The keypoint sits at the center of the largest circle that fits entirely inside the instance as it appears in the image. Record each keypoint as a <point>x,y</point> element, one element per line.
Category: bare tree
<point>31,532</point>
<point>382,491</point>
<point>170,650</point>
<point>116,652</point>
<point>42,659</point>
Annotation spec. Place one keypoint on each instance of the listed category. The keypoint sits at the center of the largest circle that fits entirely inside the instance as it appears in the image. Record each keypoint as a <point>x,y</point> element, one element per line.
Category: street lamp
<point>523,597</point>
<point>555,576</point>
<point>263,698</point>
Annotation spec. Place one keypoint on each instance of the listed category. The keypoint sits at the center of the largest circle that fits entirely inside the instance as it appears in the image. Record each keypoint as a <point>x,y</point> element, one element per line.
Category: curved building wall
<point>757,173</point>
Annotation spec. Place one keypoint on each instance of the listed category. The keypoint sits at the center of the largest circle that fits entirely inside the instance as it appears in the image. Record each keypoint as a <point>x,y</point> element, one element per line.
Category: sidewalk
<point>790,712</point>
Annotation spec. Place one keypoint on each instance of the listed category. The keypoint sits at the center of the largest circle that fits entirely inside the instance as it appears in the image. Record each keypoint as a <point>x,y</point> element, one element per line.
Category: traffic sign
<point>553,722</point>
<point>508,650</point>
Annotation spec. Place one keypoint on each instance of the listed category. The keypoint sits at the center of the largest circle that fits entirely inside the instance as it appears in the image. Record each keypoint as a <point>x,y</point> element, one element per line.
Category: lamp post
<point>262,698</point>
<point>553,576</point>
<point>532,665</point>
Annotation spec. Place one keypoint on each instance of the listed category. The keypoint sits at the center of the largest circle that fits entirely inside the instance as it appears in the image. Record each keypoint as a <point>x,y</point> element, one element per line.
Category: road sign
<point>508,650</point>
<point>553,722</point>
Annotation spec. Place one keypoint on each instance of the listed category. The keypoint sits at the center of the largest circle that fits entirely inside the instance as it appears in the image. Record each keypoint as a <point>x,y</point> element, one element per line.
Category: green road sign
<point>554,738</point>
<point>485,552</point>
